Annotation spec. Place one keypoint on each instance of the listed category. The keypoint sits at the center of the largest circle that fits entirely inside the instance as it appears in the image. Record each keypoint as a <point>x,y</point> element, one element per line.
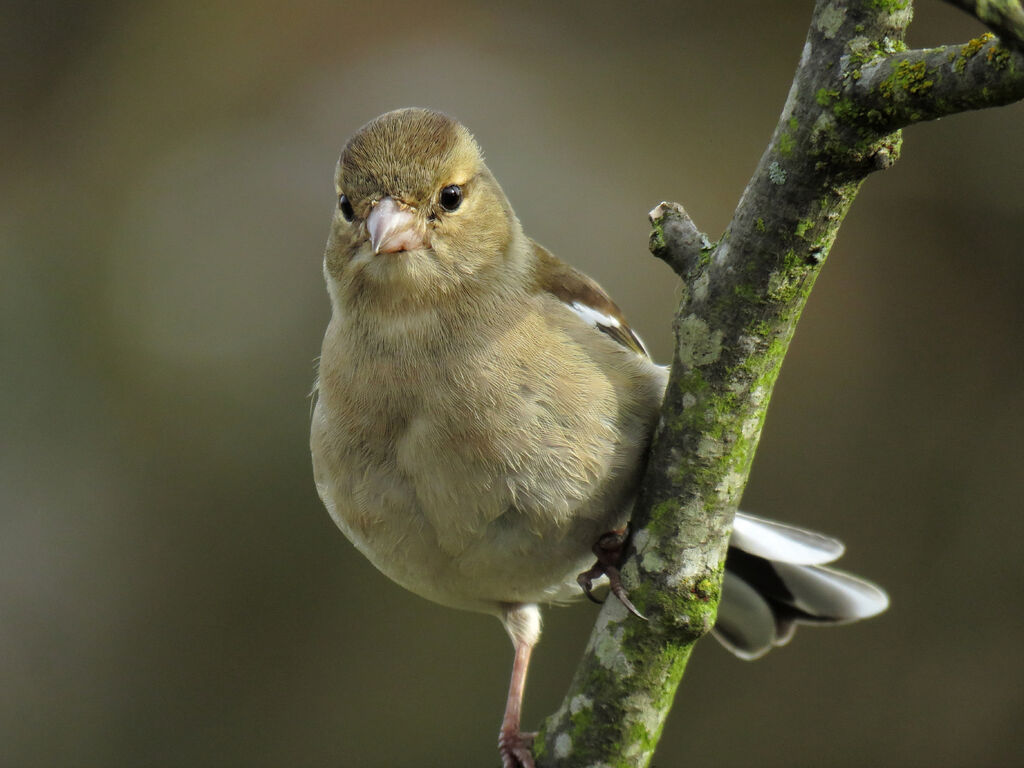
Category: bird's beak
<point>393,227</point>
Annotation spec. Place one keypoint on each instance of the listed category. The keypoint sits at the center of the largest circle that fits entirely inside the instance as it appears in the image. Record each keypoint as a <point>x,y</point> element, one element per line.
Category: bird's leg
<point>515,747</point>
<point>608,551</point>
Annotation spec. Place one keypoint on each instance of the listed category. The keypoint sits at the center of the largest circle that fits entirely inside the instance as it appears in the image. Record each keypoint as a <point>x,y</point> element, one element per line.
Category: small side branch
<point>901,89</point>
<point>676,240</point>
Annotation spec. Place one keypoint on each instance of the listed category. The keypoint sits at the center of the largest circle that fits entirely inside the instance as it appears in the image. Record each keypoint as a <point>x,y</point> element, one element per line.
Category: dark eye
<point>345,207</point>
<point>450,197</point>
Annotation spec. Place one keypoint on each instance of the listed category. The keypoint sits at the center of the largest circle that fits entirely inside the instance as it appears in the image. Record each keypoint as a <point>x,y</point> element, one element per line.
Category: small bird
<point>483,411</point>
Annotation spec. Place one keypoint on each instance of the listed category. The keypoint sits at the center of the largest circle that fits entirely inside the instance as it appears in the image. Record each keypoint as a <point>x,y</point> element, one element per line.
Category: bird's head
<point>420,219</point>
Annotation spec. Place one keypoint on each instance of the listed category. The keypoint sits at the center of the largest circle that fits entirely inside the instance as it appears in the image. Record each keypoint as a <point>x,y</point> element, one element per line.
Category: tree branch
<point>895,91</point>
<point>676,240</point>
<point>742,299</point>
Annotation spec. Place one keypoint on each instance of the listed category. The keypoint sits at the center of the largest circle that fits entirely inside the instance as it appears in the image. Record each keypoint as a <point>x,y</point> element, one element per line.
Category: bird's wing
<point>586,298</point>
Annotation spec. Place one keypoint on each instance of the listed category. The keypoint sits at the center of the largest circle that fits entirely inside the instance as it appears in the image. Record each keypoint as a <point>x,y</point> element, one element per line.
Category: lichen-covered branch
<point>742,298</point>
<point>897,90</point>
<point>1004,17</point>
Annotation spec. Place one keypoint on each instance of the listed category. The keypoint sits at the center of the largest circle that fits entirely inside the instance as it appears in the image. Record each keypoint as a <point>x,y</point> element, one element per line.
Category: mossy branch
<point>742,298</point>
<point>895,91</point>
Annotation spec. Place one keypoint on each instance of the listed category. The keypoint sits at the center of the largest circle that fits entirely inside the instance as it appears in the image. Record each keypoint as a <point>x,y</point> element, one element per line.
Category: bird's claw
<point>586,582</point>
<point>516,749</point>
<point>608,551</point>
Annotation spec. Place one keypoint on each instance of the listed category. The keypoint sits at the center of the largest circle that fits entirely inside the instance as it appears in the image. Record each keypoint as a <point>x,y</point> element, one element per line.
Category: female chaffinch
<point>484,410</point>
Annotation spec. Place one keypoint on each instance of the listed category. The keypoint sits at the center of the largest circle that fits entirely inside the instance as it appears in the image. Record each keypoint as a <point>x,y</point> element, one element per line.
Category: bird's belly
<point>505,562</point>
<point>456,531</point>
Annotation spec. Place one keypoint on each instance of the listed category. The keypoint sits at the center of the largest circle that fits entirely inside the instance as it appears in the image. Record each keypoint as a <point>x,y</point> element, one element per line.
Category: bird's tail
<point>775,578</point>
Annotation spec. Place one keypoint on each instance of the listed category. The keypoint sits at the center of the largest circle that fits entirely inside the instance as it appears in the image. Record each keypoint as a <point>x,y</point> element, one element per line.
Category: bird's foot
<point>608,551</point>
<point>516,749</point>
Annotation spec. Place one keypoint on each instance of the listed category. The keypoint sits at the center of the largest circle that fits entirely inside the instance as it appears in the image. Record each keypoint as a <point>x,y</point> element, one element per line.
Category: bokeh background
<point>172,592</point>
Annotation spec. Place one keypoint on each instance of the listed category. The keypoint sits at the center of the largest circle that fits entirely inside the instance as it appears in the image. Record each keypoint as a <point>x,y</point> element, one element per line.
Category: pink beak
<point>393,227</point>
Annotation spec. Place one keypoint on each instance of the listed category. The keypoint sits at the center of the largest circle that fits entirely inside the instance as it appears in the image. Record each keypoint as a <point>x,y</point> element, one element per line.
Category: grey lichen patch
<point>805,56</point>
<point>700,287</point>
<point>610,654</point>
<point>731,485</point>
<point>776,174</point>
<point>641,541</point>
<point>747,344</point>
<point>580,703</point>
<point>710,447</point>
<point>563,746</point>
<point>759,396</point>
<point>644,733</point>
<point>698,344</point>
<point>689,568</point>
<point>649,715</point>
<point>830,19</point>
<point>640,747</point>
<point>650,558</point>
<point>751,427</point>
<point>616,612</point>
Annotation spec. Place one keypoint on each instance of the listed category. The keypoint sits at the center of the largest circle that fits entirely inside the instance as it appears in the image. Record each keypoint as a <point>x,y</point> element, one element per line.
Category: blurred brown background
<point>172,592</point>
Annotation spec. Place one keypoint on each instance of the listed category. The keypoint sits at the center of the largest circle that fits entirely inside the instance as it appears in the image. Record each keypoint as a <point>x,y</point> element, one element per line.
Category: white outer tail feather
<point>760,608</point>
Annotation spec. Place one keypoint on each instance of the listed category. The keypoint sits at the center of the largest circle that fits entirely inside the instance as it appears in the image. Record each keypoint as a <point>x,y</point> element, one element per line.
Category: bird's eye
<point>450,197</point>
<point>345,207</point>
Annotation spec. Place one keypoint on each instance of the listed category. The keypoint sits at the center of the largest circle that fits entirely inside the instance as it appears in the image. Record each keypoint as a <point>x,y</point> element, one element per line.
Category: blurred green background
<point>172,592</point>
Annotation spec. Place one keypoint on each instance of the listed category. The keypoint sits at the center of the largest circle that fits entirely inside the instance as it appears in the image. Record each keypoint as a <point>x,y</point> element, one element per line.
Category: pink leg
<point>522,623</point>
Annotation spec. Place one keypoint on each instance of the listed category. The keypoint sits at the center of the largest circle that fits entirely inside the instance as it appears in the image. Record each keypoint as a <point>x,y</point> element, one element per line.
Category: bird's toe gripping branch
<point>608,550</point>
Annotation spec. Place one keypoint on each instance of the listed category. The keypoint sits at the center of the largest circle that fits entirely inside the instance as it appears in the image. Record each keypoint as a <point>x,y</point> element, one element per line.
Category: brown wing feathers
<point>585,297</point>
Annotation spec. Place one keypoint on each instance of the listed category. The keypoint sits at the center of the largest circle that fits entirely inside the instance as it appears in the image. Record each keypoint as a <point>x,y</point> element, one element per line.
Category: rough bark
<point>856,85</point>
